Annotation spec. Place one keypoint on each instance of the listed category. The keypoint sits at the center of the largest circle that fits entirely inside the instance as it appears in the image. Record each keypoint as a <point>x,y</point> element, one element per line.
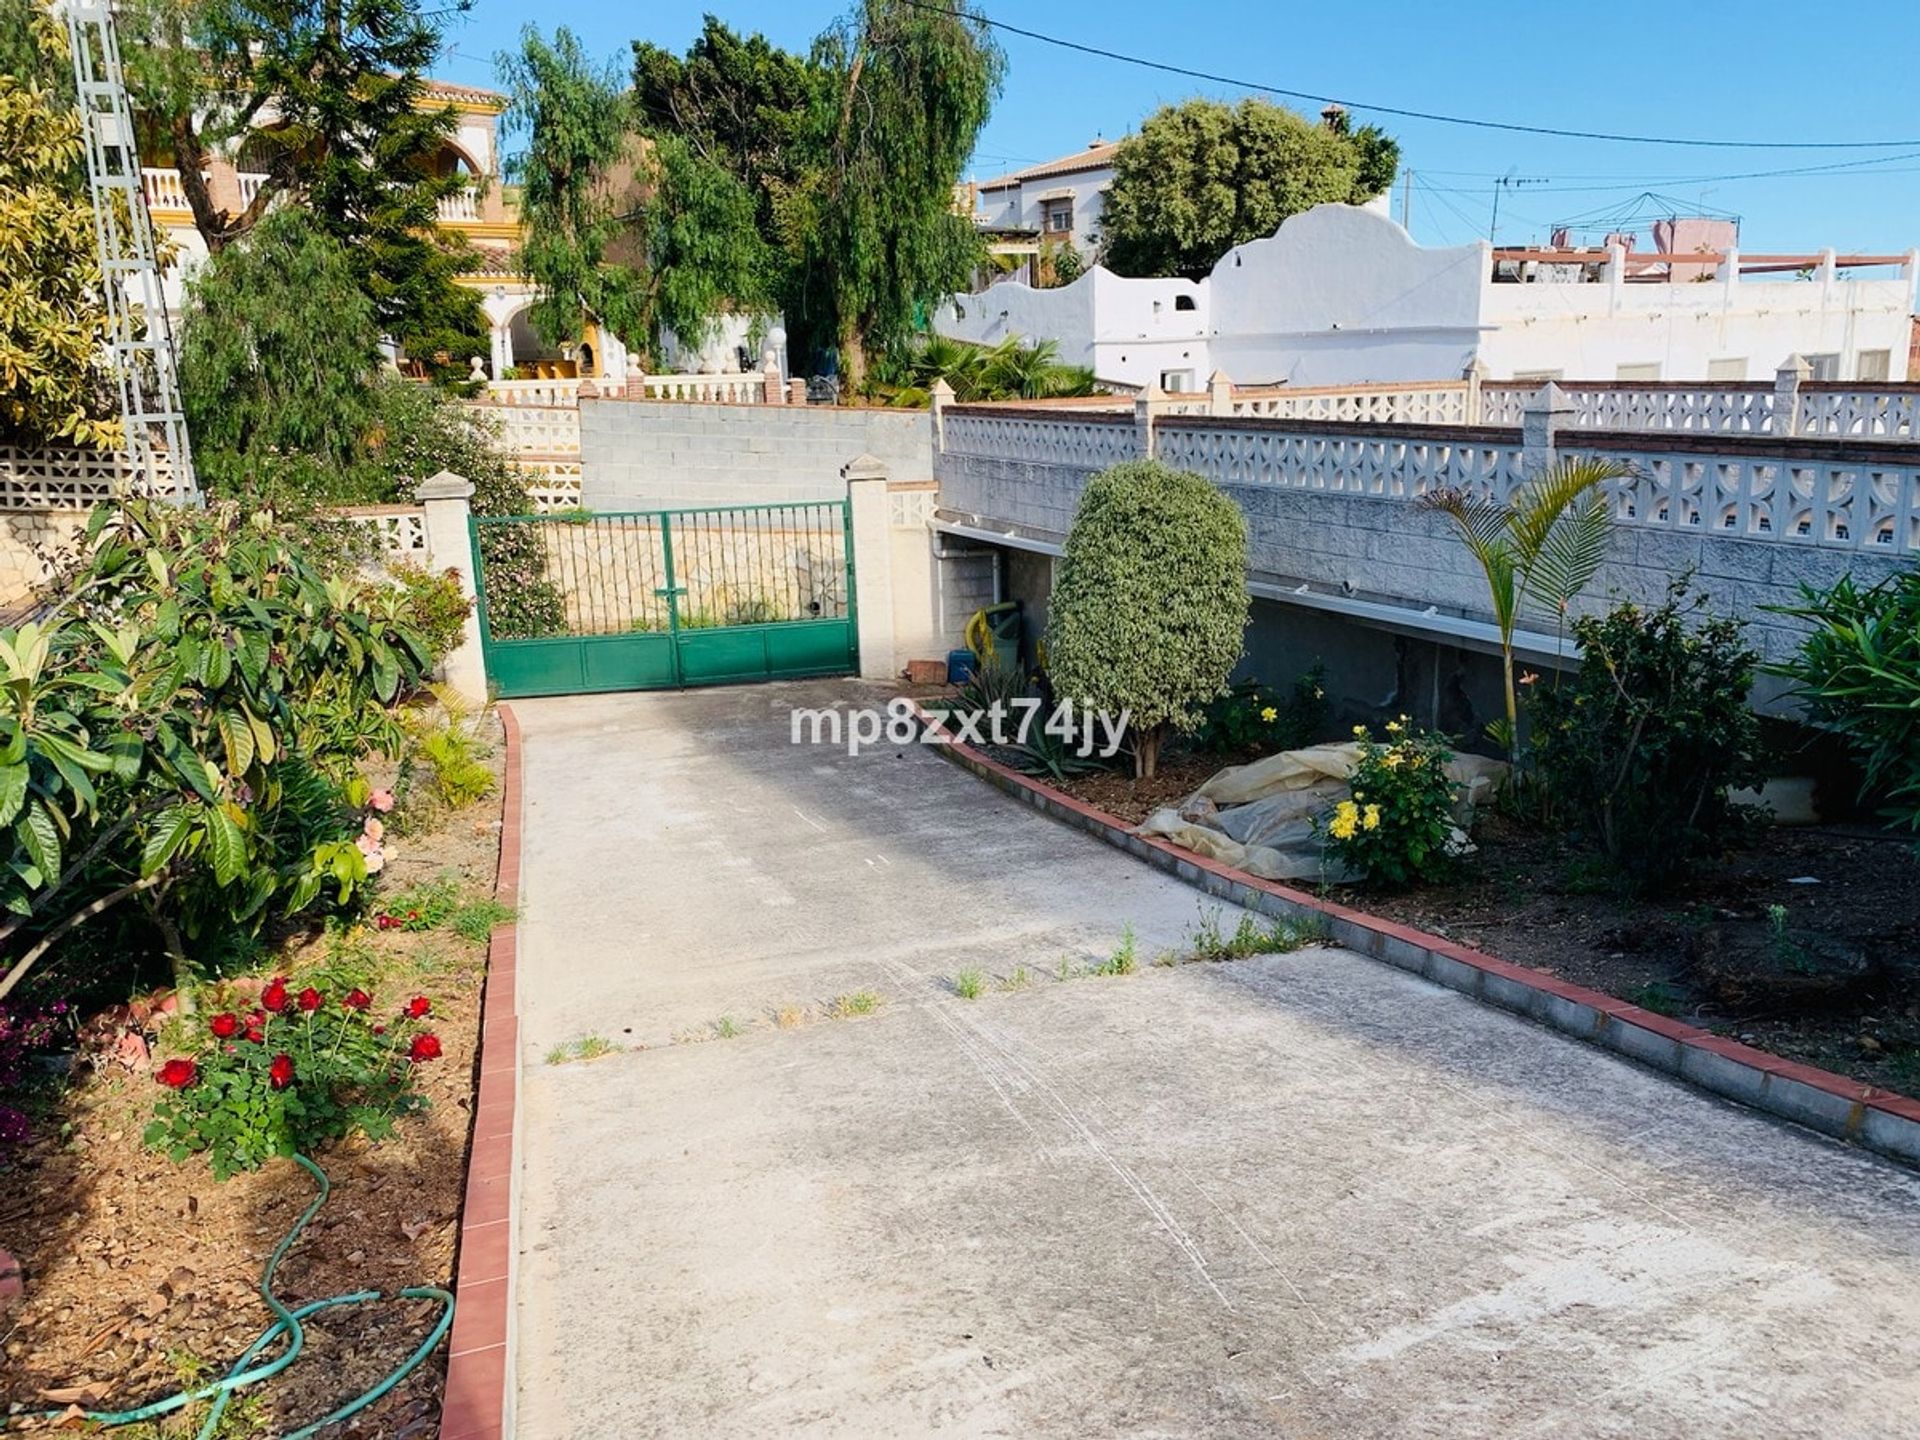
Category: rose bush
<point>1398,826</point>
<point>299,1070</point>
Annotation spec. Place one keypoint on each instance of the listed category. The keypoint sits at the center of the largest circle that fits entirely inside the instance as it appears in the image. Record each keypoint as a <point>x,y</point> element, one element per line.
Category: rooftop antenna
<point>139,337</point>
<point>1506,182</point>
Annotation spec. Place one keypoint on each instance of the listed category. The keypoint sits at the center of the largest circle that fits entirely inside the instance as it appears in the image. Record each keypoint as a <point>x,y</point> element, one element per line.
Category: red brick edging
<point>1877,1119</point>
<point>479,1396</point>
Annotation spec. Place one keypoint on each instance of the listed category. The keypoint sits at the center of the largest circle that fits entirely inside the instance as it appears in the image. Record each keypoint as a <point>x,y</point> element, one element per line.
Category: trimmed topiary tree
<point>1150,604</point>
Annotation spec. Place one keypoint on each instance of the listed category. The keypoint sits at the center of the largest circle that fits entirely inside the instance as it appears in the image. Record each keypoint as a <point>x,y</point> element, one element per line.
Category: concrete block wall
<point>25,535</point>
<point>1390,549</point>
<point>664,455</point>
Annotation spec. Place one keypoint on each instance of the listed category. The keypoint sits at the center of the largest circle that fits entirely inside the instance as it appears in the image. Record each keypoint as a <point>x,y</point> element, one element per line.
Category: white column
<point>445,498</point>
<point>941,396</point>
<point>1219,394</point>
<point>1787,381</point>
<point>867,506</point>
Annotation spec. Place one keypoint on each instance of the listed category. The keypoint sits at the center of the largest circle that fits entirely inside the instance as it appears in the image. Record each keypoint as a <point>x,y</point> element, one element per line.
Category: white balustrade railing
<point>1385,466</point>
<point>1436,404</point>
<point>1090,441</point>
<point>163,189</point>
<point>399,532</point>
<point>1839,502</point>
<point>460,206</point>
<point>533,392</point>
<point>744,388</point>
<point>61,478</point>
<point>552,484</point>
<point>534,429</point>
<point>1860,412</point>
<point>1841,493</point>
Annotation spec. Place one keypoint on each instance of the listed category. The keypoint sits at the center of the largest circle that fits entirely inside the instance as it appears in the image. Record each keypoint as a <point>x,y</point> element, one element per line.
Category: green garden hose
<point>287,1323</point>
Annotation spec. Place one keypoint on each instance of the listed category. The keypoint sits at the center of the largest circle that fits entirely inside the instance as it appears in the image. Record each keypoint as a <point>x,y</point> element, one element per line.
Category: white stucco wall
<point>1342,293</point>
<point>1142,332</point>
<point>1590,331</point>
<point>1021,206</point>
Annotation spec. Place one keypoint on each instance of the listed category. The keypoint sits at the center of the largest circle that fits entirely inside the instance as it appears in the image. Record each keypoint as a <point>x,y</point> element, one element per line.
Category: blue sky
<point>1766,70</point>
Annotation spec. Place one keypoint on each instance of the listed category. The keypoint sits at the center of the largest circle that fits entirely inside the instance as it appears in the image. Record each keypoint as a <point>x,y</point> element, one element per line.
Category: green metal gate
<point>579,602</point>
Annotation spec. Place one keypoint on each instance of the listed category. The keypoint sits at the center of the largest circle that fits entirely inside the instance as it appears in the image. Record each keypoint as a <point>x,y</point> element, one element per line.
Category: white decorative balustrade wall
<point>63,478</point>
<point>1854,412</point>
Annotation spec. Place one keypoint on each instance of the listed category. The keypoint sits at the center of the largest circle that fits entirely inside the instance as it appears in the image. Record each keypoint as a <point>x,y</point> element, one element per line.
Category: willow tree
<point>574,199</point>
<point>907,89</point>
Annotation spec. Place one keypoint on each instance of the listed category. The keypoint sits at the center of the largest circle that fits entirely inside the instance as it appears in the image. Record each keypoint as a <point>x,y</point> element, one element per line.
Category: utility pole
<point>139,337</point>
<point>1406,202</point>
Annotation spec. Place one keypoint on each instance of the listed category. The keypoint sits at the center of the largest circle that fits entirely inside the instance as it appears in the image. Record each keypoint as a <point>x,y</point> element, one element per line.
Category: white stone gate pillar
<point>868,513</point>
<point>446,499</point>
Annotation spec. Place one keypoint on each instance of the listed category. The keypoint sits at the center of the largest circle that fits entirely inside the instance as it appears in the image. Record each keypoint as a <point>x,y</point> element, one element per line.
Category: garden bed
<point>1540,901</point>
<point>141,1275</point>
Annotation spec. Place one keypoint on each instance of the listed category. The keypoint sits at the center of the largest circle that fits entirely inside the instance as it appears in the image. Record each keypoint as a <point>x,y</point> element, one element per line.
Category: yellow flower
<point>1371,820</point>
<point>1359,732</point>
<point>1391,759</point>
<point>1394,727</point>
<point>1346,818</point>
<point>1269,714</point>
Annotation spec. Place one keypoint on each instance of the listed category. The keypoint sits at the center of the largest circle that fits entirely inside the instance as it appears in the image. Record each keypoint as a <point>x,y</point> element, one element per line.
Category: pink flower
<point>376,862</point>
<point>381,800</point>
<point>373,829</point>
<point>366,843</point>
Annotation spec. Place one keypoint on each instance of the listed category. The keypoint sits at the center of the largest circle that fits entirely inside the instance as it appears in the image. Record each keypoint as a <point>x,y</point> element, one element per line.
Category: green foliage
<point>970,984</point>
<point>1202,176</point>
<point>1858,671</point>
<point>1644,743</point>
<point>52,325</point>
<point>287,1078</point>
<point>437,602</point>
<point>575,123</point>
<point>1061,264</point>
<point>161,727</point>
<point>1540,548</point>
<point>279,365</point>
<point>351,135</point>
<point>1397,828</point>
<point>1010,370</point>
<point>707,255</point>
<point>1125,958</point>
<point>459,772</point>
<point>906,89</point>
<point>1255,716</point>
<point>1207,941</point>
<point>1150,602</point>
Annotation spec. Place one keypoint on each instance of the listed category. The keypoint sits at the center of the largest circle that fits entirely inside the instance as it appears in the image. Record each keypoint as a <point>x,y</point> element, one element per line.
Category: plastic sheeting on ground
<point>1259,817</point>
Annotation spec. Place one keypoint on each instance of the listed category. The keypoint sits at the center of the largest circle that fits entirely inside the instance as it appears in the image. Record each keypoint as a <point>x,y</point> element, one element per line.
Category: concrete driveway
<point>1305,1195</point>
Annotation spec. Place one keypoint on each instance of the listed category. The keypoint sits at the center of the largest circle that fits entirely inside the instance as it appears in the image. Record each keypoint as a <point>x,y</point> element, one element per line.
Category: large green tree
<point>1202,176</point>
<point>908,89</point>
<point>52,325</point>
<point>576,196</point>
<point>330,100</point>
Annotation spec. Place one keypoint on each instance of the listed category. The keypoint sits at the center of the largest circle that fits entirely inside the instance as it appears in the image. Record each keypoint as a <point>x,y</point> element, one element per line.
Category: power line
<point>1402,112</point>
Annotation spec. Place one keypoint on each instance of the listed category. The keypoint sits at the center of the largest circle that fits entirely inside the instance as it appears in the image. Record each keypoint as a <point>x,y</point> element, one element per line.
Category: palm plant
<point>1540,547</point>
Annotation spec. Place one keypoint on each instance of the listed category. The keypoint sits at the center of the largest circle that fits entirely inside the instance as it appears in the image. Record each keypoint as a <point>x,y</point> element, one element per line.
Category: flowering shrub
<point>23,1035</point>
<point>1398,826</point>
<point>1253,715</point>
<point>294,1071</point>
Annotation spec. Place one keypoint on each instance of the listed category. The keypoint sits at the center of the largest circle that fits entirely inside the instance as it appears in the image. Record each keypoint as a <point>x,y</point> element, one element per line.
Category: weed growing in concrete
<point>968,984</point>
<point>1066,969</point>
<point>790,1017</point>
<point>587,1047</point>
<point>1018,980</point>
<point>857,1002</point>
<point>1124,959</point>
<point>1249,937</point>
<point>724,1028</point>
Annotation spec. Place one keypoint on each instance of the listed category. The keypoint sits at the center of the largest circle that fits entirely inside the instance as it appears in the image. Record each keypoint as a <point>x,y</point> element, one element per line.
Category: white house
<point>1059,201</point>
<point>1341,294</point>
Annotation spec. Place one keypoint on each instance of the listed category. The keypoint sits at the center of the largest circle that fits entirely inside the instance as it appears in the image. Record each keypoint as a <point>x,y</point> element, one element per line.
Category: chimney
<point>1334,117</point>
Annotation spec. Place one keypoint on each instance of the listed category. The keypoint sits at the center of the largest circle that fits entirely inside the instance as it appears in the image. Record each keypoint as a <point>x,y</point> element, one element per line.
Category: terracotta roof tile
<point>1095,157</point>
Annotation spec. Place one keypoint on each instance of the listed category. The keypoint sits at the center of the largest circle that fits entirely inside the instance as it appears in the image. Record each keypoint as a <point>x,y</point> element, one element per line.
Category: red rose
<point>356,999</point>
<point>425,1047</point>
<point>280,1072</point>
<point>178,1074</point>
<point>274,997</point>
<point>419,1007</point>
<point>379,1029</point>
<point>309,999</point>
<point>224,1027</point>
<point>385,922</point>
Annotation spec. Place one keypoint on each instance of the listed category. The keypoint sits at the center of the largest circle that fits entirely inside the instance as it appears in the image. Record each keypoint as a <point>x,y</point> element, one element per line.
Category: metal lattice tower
<point>139,337</point>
